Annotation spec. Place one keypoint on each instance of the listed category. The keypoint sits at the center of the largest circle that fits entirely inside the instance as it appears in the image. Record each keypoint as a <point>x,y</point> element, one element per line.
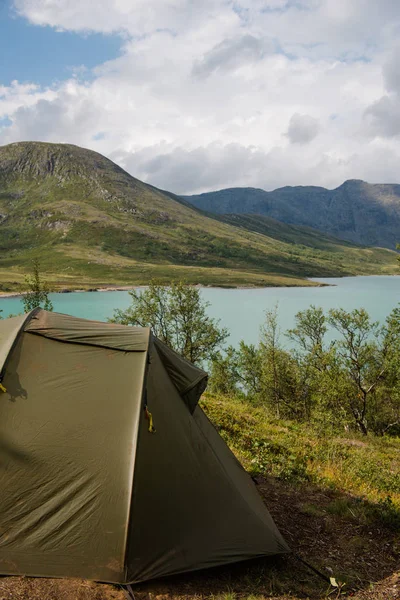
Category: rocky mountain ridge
<point>363,213</point>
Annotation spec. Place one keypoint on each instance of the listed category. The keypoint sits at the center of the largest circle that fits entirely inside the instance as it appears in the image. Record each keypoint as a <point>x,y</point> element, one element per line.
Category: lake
<point>242,310</point>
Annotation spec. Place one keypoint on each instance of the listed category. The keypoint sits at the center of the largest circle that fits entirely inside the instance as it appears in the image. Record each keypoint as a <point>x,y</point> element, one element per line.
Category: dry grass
<point>28,588</point>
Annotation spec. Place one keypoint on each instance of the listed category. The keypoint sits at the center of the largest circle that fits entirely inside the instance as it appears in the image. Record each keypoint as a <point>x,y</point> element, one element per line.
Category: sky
<point>199,95</point>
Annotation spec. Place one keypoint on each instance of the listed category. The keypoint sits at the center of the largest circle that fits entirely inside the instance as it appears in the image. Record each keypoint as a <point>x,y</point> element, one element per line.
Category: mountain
<point>355,211</point>
<point>91,224</point>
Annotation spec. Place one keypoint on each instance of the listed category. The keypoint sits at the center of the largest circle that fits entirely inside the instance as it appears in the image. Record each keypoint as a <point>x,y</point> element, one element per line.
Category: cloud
<point>219,166</point>
<point>19,95</point>
<point>196,169</point>
<point>233,53</point>
<point>47,118</point>
<point>136,17</point>
<point>219,93</point>
<point>333,25</point>
<point>391,72</point>
<point>302,129</point>
<point>383,117</point>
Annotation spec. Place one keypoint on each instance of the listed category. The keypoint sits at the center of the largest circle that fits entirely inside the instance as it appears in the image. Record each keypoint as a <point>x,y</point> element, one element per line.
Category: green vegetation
<point>177,315</point>
<point>366,468</point>
<point>90,224</point>
<point>334,494</point>
<point>37,291</point>
<point>351,381</point>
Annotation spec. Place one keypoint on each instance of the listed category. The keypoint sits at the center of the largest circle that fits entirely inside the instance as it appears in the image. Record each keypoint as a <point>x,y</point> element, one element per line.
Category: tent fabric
<point>67,451</point>
<point>190,381</point>
<point>205,510</point>
<point>9,330</point>
<point>93,333</point>
<point>87,490</point>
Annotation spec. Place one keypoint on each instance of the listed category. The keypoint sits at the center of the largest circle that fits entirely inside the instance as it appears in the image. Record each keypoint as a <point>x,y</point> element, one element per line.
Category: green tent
<point>88,488</point>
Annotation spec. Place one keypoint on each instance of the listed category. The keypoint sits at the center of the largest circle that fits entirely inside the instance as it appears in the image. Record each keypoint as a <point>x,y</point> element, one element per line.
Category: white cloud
<point>391,71</point>
<point>302,129</point>
<point>219,166</point>
<point>137,17</point>
<point>233,53</point>
<point>383,117</point>
<point>20,95</point>
<point>221,93</point>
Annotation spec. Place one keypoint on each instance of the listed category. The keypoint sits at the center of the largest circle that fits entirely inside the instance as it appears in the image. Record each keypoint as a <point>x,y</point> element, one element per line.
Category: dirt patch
<point>389,589</point>
<point>337,533</point>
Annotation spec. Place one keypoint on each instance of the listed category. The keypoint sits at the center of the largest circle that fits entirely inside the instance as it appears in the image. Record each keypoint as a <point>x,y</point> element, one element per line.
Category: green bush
<point>352,382</point>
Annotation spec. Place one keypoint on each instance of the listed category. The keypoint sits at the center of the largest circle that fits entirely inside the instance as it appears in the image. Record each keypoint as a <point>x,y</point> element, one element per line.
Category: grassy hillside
<point>92,224</point>
<point>307,243</point>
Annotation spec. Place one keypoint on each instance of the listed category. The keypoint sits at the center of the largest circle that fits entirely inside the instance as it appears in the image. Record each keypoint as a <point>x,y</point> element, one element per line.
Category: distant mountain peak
<point>367,214</point>
<point>353,182</point>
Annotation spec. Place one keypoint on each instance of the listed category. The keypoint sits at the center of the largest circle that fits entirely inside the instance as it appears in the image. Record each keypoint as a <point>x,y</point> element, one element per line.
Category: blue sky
<point>43,55</point>
<point>196,95</point>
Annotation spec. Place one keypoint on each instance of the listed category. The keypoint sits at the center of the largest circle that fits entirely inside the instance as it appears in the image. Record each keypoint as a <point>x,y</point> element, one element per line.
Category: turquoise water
<point>242,310</point>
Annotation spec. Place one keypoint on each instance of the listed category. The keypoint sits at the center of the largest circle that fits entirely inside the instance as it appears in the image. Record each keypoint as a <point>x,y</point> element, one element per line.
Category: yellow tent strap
<point>149,416</point>
<point>2,388</point>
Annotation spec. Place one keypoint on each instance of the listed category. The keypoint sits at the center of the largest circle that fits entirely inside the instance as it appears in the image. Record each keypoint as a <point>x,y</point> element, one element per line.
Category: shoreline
<point>128,288</point>
<point>125,288</point>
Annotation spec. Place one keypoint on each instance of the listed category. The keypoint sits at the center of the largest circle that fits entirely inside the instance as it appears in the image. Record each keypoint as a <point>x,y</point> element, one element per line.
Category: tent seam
<point>128,541</point>
<point>92,345</point>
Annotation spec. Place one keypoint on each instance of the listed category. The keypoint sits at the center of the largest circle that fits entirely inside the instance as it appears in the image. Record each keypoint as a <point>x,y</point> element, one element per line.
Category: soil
<point>361,553</point>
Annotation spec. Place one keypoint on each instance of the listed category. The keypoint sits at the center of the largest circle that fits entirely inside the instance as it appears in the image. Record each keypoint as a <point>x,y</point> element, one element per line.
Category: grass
<point>70,272</point>
<point>90,222</point>
<point>366,468</point>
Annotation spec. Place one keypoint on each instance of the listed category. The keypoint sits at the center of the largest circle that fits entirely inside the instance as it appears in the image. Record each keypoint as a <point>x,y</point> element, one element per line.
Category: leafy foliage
<point>350,382</point>
<point>178,316</point>
<point>37,290</point>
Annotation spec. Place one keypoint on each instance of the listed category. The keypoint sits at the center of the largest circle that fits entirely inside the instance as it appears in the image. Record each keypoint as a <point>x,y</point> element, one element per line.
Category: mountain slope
<point>355,211</point>
<point>91,223</point>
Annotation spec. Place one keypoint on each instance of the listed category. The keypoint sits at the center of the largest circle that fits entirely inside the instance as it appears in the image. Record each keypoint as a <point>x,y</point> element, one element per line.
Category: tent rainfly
<point>88,489</point>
